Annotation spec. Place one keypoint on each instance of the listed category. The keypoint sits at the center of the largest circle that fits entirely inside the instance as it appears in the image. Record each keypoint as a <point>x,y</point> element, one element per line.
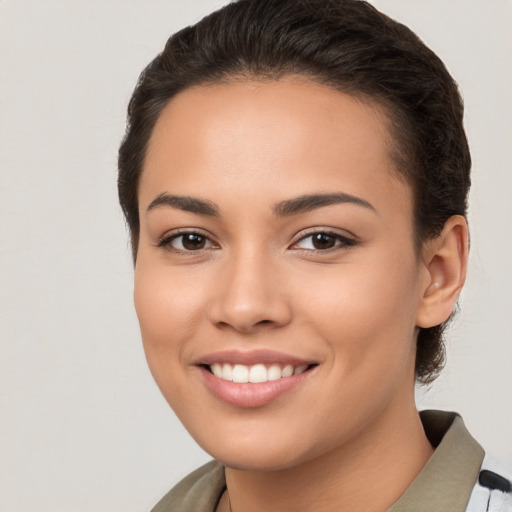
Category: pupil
<point>323,241</point>
<point>192,241</point>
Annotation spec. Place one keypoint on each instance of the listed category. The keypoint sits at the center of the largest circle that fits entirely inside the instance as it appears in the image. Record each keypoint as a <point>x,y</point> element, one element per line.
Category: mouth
<point>256,373</point>
<point>253,379</point>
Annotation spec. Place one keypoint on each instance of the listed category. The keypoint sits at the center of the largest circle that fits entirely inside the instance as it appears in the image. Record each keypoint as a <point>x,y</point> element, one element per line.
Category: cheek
<point>169,307</point>
<point>366,311</point>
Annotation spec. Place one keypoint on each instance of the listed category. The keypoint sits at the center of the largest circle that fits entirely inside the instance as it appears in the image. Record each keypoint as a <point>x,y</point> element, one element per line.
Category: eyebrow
<point>285,208</point>
<point>313,201</point>
<point>186,203</point>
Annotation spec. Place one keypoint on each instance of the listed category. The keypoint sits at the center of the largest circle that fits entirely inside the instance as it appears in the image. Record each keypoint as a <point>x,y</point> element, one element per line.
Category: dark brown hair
<point>347,45</point>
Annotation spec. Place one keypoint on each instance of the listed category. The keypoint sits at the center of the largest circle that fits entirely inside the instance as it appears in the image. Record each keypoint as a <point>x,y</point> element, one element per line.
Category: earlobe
<point>445,259</point>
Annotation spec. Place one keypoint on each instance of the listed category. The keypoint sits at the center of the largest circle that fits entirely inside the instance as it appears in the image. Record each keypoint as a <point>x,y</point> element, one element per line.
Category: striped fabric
<point>492,493</point>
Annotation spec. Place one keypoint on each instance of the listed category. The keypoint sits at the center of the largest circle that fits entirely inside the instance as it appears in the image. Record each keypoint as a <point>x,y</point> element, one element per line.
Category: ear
<point>445,259</point>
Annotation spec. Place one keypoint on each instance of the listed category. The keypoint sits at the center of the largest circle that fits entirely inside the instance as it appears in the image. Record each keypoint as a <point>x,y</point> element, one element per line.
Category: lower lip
<point>248,394</point>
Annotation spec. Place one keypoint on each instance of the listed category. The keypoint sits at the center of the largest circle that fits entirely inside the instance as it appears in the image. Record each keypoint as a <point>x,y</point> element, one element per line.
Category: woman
<point>295,176</point>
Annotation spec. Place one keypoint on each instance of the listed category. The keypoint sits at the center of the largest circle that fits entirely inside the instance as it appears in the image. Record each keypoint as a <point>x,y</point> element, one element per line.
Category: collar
<point>445,483</point>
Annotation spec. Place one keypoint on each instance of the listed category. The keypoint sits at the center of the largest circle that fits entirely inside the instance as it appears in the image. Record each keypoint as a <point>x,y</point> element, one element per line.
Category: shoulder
<point>493,489</point>
<point>199,491</point>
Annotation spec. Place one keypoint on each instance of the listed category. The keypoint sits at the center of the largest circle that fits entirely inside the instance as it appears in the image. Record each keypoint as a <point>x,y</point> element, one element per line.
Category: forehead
<point>272,139</point>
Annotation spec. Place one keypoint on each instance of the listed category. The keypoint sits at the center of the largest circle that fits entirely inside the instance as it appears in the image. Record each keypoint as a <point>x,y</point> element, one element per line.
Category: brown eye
<point>193,241</point>
<point>187,242</point>
<point>323,241</point>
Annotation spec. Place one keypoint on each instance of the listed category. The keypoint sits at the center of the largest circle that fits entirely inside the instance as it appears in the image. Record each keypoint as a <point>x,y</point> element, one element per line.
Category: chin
<point>262,460</point>
<point>261,449</point>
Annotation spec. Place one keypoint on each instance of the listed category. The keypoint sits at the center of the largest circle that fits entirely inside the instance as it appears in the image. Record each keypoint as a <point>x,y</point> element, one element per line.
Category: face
<point>277,285</point>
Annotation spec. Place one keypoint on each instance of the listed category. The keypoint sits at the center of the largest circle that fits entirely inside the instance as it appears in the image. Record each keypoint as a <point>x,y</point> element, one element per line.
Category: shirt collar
<point>447,480</point>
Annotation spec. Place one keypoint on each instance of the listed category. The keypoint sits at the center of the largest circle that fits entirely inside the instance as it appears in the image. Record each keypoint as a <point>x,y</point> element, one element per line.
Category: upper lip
<point>252,357</point>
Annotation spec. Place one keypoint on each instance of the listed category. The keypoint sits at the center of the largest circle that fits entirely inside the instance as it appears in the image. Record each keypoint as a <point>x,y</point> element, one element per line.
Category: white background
<point>82,426</point>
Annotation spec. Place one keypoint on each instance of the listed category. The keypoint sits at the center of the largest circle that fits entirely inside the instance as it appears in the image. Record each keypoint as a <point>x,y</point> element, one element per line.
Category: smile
<point>256,373</point>
<point>255,378</point>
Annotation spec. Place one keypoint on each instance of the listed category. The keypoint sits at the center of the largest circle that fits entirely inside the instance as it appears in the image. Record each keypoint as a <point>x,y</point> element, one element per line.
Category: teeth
<point>227,372</point>
<point>300,369</point>
<point>274,372</point>
<point>256,373</point>
<point>287,371</point>
<point>217,370</point>
<point>240,373</point>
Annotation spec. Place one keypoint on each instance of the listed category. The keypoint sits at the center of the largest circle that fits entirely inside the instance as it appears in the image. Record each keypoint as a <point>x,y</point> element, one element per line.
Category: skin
<point>258,283</point>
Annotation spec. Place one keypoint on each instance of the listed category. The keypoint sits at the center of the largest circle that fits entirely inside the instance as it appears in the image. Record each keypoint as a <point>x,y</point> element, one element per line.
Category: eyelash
<point>166,241</point>
<point>342,242</point>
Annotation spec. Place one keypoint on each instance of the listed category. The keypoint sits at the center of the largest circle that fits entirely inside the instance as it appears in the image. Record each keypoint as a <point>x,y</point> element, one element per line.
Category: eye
<point>186,242</point>
<point>323,241</point>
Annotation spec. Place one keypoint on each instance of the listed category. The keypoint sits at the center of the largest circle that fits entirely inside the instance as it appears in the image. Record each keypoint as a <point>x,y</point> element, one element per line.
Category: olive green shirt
<point>443,485</point>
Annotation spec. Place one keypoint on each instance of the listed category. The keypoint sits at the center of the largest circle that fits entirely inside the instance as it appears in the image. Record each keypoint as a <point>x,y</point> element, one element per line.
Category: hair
<point>345,44</point>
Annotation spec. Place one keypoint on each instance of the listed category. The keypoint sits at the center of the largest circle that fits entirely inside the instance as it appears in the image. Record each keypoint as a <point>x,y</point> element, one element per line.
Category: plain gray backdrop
<point>82,425</point>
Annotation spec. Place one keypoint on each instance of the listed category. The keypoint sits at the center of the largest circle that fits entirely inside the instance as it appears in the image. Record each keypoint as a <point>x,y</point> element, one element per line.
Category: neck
<point>367,474</point>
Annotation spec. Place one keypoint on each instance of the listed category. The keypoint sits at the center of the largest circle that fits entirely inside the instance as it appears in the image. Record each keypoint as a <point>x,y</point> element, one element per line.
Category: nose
<point>249,295</point>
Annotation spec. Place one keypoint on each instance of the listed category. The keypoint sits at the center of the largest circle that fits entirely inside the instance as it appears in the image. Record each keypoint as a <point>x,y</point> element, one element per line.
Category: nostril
<point>246,312</point>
